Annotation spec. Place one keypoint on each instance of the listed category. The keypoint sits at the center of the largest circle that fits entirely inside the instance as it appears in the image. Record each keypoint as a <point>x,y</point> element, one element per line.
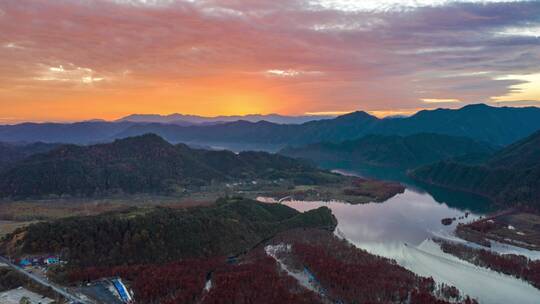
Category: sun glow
<point>527,90</point>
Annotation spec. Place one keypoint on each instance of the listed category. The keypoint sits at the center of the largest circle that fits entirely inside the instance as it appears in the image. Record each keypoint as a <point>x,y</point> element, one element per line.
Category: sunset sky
<point>81,59</point>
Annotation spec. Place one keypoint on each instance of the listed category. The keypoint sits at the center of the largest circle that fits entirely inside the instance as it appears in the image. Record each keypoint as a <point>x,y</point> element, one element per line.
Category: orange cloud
<point>73,60</point>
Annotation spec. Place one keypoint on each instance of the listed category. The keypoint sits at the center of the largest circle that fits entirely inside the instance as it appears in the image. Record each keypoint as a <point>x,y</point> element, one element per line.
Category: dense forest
<point>145,164</point>
<point>390,151</point>
<point>12,153</point>
<point>158,234</point>
<point>510,177</point>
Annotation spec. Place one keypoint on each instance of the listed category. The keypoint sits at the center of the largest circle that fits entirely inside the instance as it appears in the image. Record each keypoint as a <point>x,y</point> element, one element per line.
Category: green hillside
<point>144,164</point>
<point>391,151</point>
<point>12,153</point>
<point>510,177</point>
<point>155,235</point>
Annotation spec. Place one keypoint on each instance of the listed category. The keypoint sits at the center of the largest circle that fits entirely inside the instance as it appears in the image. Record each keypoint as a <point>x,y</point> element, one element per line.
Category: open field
<point>35,210</point>
<point>14,296</point>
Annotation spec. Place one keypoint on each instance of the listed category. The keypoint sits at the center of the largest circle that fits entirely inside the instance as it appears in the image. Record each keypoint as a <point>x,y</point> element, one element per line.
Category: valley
<point>270,152</point>
<point>327,221</point>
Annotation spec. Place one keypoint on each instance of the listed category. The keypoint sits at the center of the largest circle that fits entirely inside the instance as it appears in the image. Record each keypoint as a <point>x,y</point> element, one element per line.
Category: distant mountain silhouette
<point>144,164</point>
<point>391,150</point>
<point>338,129</point>
<point>74,133</point>
<point>496,126</point>
<point>182,119</point>
<point>509,177</point>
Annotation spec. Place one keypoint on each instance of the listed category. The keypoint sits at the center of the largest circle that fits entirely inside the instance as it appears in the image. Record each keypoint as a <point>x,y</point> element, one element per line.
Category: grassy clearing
<point>36,210</point>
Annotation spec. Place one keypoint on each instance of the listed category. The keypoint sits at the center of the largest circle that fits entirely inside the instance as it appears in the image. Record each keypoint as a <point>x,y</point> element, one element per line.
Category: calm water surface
<point>402,227</point>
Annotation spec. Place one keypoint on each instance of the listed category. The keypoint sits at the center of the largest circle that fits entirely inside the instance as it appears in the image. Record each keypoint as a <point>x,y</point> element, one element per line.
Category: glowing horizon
<point>69,61</point>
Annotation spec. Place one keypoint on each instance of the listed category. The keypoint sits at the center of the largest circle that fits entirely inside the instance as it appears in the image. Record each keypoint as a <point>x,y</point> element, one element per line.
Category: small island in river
<point>511,227</point>
<point>353,190</point>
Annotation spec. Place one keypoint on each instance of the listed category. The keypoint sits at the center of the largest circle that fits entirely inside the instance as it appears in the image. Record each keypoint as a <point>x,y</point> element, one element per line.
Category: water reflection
<point>410,218</point>
<point>401,228</point>
<point>454,199</point>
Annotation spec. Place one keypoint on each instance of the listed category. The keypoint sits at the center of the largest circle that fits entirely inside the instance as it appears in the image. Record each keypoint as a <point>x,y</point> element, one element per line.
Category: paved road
<point>66,294</point>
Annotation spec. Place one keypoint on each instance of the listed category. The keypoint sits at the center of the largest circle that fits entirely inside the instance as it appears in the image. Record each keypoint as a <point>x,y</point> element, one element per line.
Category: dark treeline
<point>391,151</point>
<point>11,153</point>
<point>510,177</point>
<point>158,235</point>
<point>145,164</point>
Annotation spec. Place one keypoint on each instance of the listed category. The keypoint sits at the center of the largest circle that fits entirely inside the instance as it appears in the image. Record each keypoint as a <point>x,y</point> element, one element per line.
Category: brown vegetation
<point>351,190</point>
<point>512,227</point>
<point>346,274</point>
<point>511,264</point>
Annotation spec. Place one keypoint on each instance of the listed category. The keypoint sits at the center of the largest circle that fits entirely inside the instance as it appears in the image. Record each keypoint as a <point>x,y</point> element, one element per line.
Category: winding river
<point>401,228</point>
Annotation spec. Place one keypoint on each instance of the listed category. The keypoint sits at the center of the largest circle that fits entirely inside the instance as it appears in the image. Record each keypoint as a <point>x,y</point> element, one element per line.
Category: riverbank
<point>353,190</point>
<point>513,227</point>
<point>515,265</point>
<point>401,229</point>
<point>295,266</point>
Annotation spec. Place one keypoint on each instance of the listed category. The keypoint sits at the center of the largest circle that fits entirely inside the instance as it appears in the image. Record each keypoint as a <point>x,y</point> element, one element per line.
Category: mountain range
<point>497,126</point>
<point>186,120</point>
<point>144,164</point>
<point>390,151</point>
<point>509,177</point>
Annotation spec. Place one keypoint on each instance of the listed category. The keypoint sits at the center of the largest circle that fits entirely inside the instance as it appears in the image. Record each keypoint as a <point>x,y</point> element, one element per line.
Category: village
<point>36,287</point>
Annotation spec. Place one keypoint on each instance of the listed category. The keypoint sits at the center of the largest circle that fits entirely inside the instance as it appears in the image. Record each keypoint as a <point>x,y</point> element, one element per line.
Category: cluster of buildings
<point>38,261</point>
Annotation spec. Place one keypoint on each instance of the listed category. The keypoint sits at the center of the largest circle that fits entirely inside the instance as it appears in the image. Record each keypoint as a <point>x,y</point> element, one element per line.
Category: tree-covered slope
<point>143,164</point>
<point>12,153</point>
<point>156,235</point>
<point>495,125</point>
<point>511,176</point>
<point>391,151</point>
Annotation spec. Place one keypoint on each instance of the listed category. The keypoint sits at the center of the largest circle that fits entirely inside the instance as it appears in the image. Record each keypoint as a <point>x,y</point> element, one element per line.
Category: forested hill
<point>11,153</point>
<point>157,235</point>
<point>510,177</point>
<point>497,126</point>
<point>144,164</point>
<point>390,151</point>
